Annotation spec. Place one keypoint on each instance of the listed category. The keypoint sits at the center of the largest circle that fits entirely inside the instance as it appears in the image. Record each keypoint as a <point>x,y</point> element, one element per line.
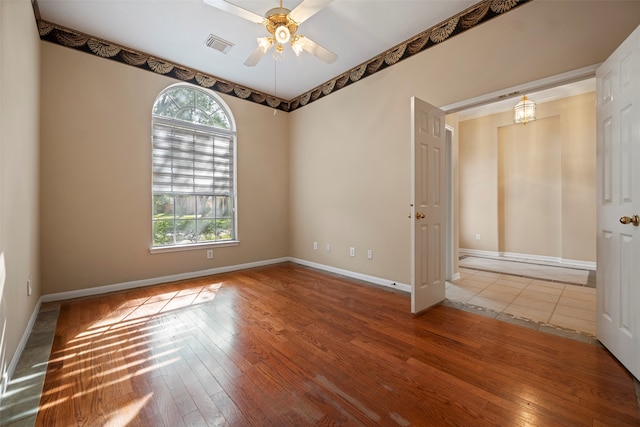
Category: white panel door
<point>428,207</point>
<point>618,198</point>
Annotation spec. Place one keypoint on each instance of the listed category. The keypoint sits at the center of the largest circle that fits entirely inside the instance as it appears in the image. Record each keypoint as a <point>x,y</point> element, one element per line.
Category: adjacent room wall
<point>96,177</point>
<point>350,160</point>
<point>530,188</point>
<point>478,172</point>
<point>19,94</point>
<point>579,179</point>
<point>536,192</point>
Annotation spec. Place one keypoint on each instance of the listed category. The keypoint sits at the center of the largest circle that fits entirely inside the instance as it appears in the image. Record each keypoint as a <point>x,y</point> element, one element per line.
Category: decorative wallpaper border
<point>467,19</point>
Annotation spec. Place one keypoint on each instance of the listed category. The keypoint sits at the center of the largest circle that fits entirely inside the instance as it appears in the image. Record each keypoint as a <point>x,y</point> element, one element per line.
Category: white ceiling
<point>176,30</point>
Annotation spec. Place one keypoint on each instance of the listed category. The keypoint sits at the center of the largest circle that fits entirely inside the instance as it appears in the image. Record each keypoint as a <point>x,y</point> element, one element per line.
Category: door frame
<point>516,92</point>
<point>451,246</point>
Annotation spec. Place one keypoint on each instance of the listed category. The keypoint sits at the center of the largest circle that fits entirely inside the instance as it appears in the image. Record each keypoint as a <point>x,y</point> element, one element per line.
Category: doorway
<point>526,287</point>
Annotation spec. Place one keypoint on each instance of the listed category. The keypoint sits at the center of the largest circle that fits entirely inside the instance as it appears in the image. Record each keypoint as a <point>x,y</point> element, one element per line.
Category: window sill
<point>197,246</point>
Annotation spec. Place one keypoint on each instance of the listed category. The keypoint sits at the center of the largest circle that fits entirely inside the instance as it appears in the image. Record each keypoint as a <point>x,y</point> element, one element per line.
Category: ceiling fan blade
<point>255,57</point>
<point>307,9</point>
<point>236,10</point>
<point>316,50</point>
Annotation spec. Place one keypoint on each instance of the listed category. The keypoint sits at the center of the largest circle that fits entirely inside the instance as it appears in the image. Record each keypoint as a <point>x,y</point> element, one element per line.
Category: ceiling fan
<point>282,25</point>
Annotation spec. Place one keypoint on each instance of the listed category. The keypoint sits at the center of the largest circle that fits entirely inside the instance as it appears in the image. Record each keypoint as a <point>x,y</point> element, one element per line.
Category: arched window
<point>194,189</point>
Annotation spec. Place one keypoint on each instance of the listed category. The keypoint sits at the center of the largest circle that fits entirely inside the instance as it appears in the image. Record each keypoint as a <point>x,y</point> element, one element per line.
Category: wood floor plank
<point>289,345</point>
<point>232,414</point>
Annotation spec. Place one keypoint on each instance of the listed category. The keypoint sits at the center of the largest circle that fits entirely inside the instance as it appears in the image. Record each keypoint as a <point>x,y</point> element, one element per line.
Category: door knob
<point>420,215</point>
<point>635,220</point>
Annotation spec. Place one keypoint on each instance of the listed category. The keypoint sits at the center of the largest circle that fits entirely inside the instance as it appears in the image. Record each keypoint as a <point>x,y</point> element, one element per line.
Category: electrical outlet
<point>209,253</point>
<point>477,236</point>
<point>29,290</point>
<point>328,247</point>
<point>352,251</point>
<point>315,246</point>
<point>369,254</point>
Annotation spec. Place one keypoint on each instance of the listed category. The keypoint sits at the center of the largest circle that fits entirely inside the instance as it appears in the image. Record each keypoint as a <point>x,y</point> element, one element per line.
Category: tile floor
<point>19,404</point>
<point>564,299</point>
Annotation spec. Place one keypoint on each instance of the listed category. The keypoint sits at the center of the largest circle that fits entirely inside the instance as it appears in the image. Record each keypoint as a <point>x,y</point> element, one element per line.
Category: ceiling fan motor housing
<point>279,17</point>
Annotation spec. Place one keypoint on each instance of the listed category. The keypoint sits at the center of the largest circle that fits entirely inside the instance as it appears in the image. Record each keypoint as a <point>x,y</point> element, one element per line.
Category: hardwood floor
<point>288,345</point>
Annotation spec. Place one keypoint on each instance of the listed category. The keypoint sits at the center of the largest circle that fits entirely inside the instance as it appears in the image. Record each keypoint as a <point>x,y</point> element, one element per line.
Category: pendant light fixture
<point>524,111</point>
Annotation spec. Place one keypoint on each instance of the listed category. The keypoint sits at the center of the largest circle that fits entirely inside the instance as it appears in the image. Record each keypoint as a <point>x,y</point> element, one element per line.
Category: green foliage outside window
<point>210,219</point>
<point>191,105</point>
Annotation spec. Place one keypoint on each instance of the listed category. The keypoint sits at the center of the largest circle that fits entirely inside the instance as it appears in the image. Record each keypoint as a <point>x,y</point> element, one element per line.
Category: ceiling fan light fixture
<point>283,35</point>
<point>296,45</point>
<point>278,54</point>
<point>265,43</point>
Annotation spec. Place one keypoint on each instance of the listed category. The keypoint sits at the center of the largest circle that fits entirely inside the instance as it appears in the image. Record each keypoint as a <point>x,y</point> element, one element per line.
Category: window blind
<point>192,161</point>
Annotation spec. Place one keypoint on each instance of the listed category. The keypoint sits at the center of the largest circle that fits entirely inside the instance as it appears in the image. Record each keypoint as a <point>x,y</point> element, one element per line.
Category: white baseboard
<point>372,279</point>
<point>478,252</point>
<point>60,296</point>
<point>589,265</point>
<point>6,376</point>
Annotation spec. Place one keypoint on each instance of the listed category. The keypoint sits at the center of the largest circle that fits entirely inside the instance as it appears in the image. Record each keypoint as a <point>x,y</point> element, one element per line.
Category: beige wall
<point>349,179</point>
<point>530,189</point>
<point>579,179</point>
<point>96,177</point>
<point>350,151</point>
<point>478,174</point>
<point>19,89</point>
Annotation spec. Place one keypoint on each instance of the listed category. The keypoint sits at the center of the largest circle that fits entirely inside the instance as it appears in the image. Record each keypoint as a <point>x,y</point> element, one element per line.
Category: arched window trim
<point>205,129</point>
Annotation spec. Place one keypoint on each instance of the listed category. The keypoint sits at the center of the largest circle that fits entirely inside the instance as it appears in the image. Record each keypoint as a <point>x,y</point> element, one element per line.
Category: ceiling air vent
<point>219,44</point>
